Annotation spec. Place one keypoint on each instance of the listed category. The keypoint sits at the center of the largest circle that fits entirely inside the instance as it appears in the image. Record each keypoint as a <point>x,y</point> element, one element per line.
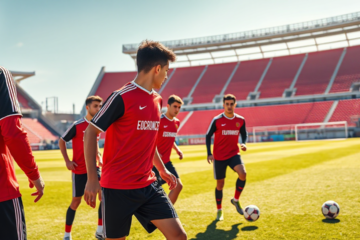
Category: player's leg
<point>99,231</point>
<point>78,187</point>
<point>219,175</point>
<point>159,212</point>
<point>174,194</point>
<point>12,220</point>
<point>239,167</point>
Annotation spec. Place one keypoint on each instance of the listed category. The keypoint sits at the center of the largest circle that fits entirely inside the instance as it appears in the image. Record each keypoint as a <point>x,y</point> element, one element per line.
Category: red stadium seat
<point>347,110</point>
<point>36,131</point>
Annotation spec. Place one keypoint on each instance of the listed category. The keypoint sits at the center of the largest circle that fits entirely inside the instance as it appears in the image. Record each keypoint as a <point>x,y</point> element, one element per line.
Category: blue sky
<point>67,42</point>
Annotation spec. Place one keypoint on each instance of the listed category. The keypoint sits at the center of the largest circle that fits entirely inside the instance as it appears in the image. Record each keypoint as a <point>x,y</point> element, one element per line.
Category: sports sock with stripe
<point>218,198</point>
<point>239,188</point>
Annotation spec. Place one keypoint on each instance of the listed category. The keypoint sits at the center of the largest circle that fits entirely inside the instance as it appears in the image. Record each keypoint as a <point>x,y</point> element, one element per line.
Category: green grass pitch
<point>288,181</point>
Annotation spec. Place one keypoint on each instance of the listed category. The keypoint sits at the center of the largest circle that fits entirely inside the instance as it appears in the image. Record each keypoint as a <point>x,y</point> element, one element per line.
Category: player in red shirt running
<point>14,143</point>
<point>77,165</point>
<point>227,127</point>
<point>131,119</point>
<point>169,125</point>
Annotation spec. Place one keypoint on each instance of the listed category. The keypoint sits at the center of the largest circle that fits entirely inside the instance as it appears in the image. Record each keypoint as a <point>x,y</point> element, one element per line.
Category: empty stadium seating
<point>261,116</point>
<point>36,131</point>
<point>246,78</point>
<point>317,71</point>
<point>280,75</point>
<point>349,71</point>
<point>23,102</point>
<point>212,82</point>
<point>347,110</point>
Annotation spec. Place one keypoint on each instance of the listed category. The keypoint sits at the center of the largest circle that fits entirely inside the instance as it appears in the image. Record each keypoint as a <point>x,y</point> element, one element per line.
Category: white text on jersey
<point>230,132</point>
<point>148,125</point>
<point>169,134</point>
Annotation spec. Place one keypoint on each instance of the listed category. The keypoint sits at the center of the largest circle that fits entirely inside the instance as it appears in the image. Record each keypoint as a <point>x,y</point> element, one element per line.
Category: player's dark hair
<point>91,99</point>
<point>173,98</point>
<point>151,54</point>
<point>229,97</point>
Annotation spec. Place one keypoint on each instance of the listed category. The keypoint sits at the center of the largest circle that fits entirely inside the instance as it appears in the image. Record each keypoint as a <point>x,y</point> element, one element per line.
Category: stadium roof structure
<point>19,76</point>
<point>333,32</point>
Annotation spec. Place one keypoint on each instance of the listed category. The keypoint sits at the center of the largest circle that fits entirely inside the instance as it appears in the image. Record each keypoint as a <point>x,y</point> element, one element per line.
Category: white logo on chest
<point>223,124</point>
<point>141,108</point>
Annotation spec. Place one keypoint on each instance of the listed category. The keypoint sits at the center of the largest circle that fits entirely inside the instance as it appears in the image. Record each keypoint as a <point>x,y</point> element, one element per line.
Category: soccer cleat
<point>220,215</point>
<point>237,206</point>
<point>99,236</point>
<point>67,238</point>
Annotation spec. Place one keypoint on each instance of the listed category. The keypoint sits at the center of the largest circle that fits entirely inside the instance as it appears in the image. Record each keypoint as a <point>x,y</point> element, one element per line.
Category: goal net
<point>314,131</point>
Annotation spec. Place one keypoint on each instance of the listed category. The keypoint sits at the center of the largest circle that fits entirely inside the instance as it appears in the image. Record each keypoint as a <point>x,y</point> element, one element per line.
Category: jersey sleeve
<point>112,110</point>
<point>69,134</point>
<point>210,132</point>
<point>243,133</point>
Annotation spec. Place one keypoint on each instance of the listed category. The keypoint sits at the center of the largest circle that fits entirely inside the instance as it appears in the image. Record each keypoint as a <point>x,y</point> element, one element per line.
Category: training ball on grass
<point>251,213</point>
<point>330,209</point>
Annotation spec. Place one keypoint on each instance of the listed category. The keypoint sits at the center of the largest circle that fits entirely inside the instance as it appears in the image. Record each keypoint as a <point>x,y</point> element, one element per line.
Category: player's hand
<point>181,155</point>
<point>243,147</point>
<point>71,165</point>
<point>169,178</point>
<point>210,159</point>
<point>92,188</point>
<point>40,186</point>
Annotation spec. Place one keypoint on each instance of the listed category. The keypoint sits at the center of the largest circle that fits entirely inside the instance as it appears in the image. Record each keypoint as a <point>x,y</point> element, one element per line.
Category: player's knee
<point>181,235</point>
<point>179,186</point>
<point>242,176</point>
<point>220,185</point>
<point>75,203</point>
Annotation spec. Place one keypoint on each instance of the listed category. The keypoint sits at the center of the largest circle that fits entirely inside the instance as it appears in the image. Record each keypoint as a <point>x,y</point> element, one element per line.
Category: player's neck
<point>229,115</point>
<point>88,117</point>
<point>144,81</point>
<point>169,116</point>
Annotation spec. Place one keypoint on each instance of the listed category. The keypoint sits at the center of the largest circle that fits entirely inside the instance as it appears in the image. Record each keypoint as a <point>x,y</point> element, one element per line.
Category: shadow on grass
<point>249,228</point>
<point>333,221</point>
<point>213,233</point>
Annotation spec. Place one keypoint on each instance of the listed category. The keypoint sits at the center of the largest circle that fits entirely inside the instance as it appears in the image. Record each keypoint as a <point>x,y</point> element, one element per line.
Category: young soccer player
<point>14,143</point>
<point>169,125</point>
<point>227,126</point>
<point>77,165</point>
<point>131,119</point>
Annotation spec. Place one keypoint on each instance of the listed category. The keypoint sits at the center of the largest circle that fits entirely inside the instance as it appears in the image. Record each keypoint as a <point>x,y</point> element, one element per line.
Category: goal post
<point>315,131</point>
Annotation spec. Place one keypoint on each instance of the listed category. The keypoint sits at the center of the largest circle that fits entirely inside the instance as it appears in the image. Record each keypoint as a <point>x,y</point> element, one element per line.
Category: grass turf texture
<point>288,181</point>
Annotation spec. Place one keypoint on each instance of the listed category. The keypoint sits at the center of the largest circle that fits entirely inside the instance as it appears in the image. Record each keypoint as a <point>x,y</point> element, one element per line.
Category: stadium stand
<point>23,101</point>
<point>280,75</point>
<point>349,71</point>
<point>212,82</point>
<point>347,110</point>
<point>37,132</point>
<point>317,71</point>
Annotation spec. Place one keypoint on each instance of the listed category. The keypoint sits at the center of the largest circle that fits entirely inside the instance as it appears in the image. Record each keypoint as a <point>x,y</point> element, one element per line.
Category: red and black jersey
<point>14,143</point>
<point>131,119</point>
<point>76,134</point>
<point>166,136</point>
<point>226,138</point>
<point>8,97</point>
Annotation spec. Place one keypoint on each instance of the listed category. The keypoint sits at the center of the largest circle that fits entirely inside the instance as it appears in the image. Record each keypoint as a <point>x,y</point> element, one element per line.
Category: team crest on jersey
<point>237,124</point>
<point>177,126</point>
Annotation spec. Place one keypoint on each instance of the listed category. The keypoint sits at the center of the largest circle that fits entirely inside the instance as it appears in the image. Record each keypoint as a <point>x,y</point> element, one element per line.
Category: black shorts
<point>170,167</point>
<point>12,220</point>
<point>79,182</point>
<point>147,204</point>
<point>221,165</point>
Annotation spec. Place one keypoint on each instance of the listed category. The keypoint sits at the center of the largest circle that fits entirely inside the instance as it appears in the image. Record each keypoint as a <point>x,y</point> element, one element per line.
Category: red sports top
<point>227,132</point>
<point>131,119</point>
<point>166,137</point>
<point>76,134</point>
<point>14,143</point>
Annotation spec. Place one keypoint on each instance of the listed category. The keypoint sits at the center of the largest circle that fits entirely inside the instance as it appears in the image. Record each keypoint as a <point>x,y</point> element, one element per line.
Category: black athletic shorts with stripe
<point>220,166</point>
<point>170,167</point>
<point>147,204</point>
<point>12,220</point>
<point>79,183</point>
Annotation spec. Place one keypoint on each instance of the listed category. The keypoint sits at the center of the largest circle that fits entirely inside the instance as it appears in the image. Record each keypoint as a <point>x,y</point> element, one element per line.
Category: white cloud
<point>20,44</point>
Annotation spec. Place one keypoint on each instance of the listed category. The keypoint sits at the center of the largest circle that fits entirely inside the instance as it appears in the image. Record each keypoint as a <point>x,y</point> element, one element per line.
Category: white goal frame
<point>344,123</point>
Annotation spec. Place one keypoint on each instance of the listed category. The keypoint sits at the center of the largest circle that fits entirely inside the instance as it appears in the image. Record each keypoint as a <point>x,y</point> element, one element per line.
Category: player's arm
<point>99,156</point>
<point>210,132</point>
<point>244,136</point>
<point>164,173</point>
<point>112,110</point>
<point>16,140</point>
<point>178,151</point>
<point>68,135</point>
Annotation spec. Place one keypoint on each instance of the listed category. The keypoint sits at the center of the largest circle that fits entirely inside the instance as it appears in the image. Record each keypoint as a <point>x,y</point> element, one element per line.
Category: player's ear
<point>158,69</point>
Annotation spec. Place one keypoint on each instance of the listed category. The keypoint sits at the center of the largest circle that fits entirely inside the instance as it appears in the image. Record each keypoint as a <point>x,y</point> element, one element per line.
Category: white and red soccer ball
<point>251,213</point>
<point>330,209</point>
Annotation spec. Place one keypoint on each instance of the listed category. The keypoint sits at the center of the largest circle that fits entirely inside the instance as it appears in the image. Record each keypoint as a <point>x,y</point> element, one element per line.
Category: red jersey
<point>76,134</point>
<point>226,138</point>
<point>14,143</point>
<point>166,136</point>
<point>131,119</point>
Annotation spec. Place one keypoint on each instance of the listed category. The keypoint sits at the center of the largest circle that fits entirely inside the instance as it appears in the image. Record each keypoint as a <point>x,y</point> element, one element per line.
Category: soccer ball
<point>330,209</point>
<point>251,213</point>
